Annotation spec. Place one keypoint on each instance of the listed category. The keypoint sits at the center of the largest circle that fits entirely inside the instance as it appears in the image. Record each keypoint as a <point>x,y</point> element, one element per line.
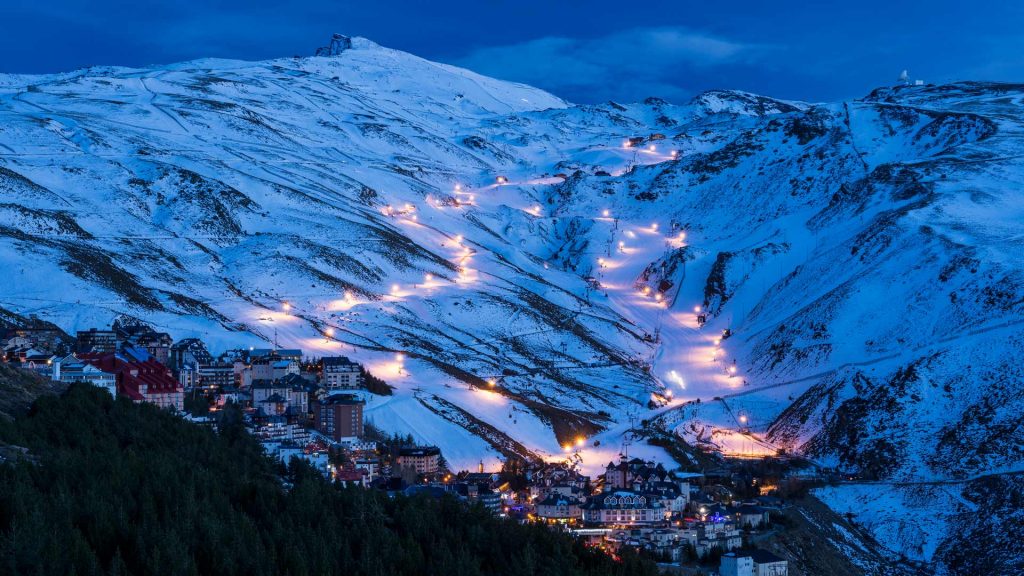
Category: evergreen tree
<point>111,487</point>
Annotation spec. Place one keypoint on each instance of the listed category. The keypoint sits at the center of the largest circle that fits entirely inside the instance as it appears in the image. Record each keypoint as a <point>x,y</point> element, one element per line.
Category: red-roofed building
<point>148,381</point>
<point>349,477</point>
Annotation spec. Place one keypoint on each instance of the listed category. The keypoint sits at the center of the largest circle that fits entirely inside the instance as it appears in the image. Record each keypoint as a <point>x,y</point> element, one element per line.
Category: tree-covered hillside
<point>110,487</point>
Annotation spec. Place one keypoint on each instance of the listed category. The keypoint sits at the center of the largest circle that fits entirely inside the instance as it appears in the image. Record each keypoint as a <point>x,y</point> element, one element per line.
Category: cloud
<point>627,65</point>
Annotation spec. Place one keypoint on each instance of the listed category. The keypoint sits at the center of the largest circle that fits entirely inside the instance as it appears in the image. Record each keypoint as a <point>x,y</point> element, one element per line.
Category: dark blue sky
<point>584,51</point>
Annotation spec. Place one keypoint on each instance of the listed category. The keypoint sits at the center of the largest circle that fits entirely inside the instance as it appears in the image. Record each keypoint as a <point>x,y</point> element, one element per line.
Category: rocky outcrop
<point>339,43</point>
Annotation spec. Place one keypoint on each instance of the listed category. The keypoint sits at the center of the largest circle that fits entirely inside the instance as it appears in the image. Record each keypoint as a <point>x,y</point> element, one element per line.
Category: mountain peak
<point>339,43</point>
<point>742,103</point>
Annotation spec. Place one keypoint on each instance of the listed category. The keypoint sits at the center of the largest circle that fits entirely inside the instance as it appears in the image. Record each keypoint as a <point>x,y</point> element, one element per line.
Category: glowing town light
<point>600,262</point>
<point>567,447</point>
<point>395,288</point>
<point>348,295</point>
<point>732,369</point>
<point>652,147</point>
<point>654,226</point>
<point>675,153</point>
<point>399,357</point>
<point>605,213</point>
<point>630,234</point>
<point>286,306</point>
<point>414,218</point>
<point>472,198</point>
<point>492,382</point>
<point>696,309</point>
<point>329,331</point>
<point>409,207</point>
<point>580,441</point>
<point>718,341</point>
<point>743,418</point>
<point>647,290</point>
<point>622,244</point>
<point>627,144</point>
<point>458,239</point>
<point>428,278</point>
<point>501,179</point>
<point>682,236</point>
<point>658,296</point>
<point>537,208</point>
<point>458,187</point>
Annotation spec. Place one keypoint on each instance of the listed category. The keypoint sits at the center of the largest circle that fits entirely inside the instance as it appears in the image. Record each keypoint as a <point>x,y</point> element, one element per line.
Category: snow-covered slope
<point>526,271</point>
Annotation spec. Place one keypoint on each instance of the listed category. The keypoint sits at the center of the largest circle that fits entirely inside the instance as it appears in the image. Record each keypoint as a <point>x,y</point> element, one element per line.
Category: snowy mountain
<point>526,271</point>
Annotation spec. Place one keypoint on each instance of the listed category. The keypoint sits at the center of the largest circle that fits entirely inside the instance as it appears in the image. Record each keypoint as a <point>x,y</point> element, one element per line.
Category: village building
<point>290,354</point>
<point>214,376</point>
<point>40,338</point>
<point>753,563</point>
<point>478,492</point>
<point>148,381</point>
<point>136,334</point>
<point>278,428</point>
<point>70,369</point>
<point>751,516</point>
<point>371,464</point>
<point>420,459</point>
<point>341,373</point>
<point>351,477</point>
<point>559,509</point>
<point>95,341</point>
<point>184,359</point>
<point>621,507</point>
<point>340,417</point>
<point>673,496</point>
<point>38,362</point>
<point>631,474</point>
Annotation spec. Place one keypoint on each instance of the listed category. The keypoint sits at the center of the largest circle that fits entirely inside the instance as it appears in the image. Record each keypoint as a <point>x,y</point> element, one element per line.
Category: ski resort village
<point>738,335</point>
<point>313,409</point>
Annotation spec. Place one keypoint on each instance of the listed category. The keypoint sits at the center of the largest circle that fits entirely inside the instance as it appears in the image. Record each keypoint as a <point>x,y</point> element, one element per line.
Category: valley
<point>749,276</point>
